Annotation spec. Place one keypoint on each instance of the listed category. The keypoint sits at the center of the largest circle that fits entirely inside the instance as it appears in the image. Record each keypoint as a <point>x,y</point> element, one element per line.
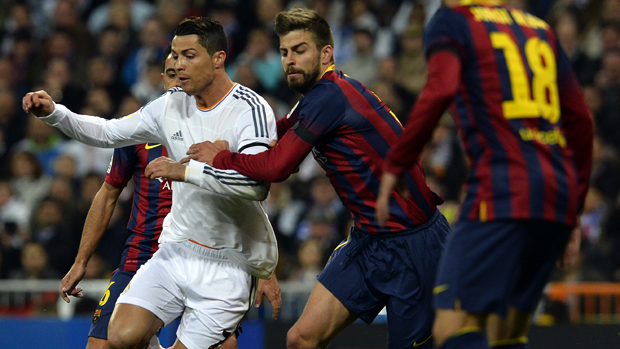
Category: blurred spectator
<point>263,59</point>
<point>311,261</point>
<point>12,124</point>
<point>594,210</point>
<point>104,14</point>
<point>149,86</point>
<point>27,179</point>
<point>67,18</point>
<point>43,141</point>
<point>101,75</point>
<point>568,33</point>
<point>284,214</point>
<point>58,82</point>
<point>443,159</point>
<point>171,12</point>
<point>150,51</point>
<point>35,265</point>
<point>14,213</point>
<point>362,64</point>
<point>605,170</point>
<point>19,21</point>
<point>389,74</point>
<point>325,209</point>
<point>411,62</point>
<point>49,229</point>
<point>60,44</point>
<point>112,45</point>
<point>227,17</point>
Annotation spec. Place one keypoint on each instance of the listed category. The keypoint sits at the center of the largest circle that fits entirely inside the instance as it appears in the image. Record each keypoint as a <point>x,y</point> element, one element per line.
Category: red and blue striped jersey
<point>518,108</point>
<point>150,205</point>
<point>352,131</point>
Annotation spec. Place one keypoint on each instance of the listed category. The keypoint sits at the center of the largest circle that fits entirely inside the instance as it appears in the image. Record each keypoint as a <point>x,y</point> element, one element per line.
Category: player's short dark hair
<point>167,52</point>
<point>308,20</point>
<point>210,33</point>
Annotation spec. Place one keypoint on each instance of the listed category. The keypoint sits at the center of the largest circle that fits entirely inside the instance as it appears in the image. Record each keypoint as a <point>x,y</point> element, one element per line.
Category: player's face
<point>169,76</point>
<point>193,64</point>
<point>301,60</point>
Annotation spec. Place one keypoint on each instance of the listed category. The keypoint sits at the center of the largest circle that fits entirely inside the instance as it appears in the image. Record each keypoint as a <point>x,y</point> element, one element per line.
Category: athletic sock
<point>469,339</point>
<point>517,343</point>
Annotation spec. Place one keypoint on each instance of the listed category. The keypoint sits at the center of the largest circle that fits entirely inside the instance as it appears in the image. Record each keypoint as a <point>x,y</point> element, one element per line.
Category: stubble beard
<point>308,80</point>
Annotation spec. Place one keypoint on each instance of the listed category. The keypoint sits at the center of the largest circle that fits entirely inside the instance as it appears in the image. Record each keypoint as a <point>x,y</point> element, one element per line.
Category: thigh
<point>323,318</point>
<point>133,323</point>
<point>156,286</point>
<point>103,312</point>
<point>545,244</point>
<point>479,267</point>
<point>218,297</point>
<point>411,261</point>
<point>346,277</point>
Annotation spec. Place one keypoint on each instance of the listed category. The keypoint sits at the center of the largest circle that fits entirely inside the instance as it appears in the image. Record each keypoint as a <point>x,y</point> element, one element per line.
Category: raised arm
<point>96,223</point>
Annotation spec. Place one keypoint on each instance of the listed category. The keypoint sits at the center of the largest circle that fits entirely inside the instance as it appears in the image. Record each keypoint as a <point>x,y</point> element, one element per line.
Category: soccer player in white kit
<point>217,239</point>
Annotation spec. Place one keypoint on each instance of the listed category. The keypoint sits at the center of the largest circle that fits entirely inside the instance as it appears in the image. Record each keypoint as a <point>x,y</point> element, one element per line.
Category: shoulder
<point>447,28</point>
<point>248,97</point>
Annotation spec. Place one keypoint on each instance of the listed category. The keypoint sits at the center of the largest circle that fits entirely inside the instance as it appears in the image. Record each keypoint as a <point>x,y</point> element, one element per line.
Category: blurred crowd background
<point>104,58</point>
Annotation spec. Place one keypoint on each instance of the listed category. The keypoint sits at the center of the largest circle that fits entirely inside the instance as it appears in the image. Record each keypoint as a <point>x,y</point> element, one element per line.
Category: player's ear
<point>327,54</point>
<point>162,78</point>
<point>219,58</point>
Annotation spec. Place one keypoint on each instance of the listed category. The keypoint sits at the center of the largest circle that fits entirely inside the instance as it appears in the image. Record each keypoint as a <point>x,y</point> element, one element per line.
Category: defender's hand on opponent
<point>70,281</point>
<point>270,289</point>
<point>38,103</point>
<point>205,151</point>
<point>165,167</point>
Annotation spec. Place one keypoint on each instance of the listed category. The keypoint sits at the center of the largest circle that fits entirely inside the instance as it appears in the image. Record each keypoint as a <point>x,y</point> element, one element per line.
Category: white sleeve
<point>225,182</point>
<point>254,130</point>
<point>139,127</point>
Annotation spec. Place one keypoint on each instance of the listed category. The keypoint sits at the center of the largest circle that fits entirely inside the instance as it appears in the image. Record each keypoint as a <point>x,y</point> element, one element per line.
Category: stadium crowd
<point>104,58</point>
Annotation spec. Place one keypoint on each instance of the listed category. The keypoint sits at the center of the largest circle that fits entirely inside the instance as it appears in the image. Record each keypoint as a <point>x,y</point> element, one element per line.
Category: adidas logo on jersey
<point>177,136</point>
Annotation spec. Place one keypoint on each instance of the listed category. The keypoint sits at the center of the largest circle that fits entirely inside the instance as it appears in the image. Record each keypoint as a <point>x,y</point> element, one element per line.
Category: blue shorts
<point>103,312</point>
<point>490,266</point>
<point>397,271</point>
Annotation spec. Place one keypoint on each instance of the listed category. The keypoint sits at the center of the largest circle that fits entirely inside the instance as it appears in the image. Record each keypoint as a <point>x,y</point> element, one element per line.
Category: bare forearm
<point>97,221</point>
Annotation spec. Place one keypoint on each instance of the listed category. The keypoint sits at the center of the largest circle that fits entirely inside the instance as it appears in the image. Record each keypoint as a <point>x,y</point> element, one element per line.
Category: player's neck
<point>220,86</point>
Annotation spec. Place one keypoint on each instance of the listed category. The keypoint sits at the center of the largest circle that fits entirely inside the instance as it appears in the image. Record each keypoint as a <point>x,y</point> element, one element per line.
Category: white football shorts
<point>198,283</point>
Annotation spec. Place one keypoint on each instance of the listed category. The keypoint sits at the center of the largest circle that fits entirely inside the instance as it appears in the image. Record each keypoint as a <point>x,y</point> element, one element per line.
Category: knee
<point>295,340</point>
<point>122,338</point>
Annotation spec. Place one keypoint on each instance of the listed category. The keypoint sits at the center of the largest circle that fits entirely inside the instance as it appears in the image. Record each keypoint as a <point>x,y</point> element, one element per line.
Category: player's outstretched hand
<point>165,167</point>
<point>270,289</point>
<point>205,151</point>
<point>38,103</point>
<point>70,281</point>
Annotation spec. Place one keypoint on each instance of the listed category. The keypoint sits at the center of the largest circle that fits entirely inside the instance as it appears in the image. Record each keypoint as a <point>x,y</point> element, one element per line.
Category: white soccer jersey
<point>216,208</point>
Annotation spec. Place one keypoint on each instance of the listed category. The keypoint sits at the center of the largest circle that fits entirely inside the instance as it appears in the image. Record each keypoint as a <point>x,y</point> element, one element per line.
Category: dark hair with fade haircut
<point>167,52</point>
<point>308,20</point>
<point>210,33</point>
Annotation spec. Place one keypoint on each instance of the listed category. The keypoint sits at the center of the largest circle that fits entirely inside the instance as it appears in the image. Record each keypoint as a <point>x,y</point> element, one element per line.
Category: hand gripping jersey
<point>217,209</point>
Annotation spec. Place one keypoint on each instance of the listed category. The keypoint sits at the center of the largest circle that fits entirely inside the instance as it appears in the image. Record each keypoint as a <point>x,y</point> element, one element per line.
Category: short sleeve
<point>122,166</point>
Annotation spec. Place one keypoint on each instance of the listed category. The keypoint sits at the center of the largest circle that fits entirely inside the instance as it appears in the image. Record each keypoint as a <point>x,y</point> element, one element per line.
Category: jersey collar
<point>330,68</point>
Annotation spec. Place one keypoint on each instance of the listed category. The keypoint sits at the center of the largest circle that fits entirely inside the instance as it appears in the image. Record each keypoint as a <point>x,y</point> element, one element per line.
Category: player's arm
<point>444,78</point>
<point>95,225</point>
<point>140,127</point>
<point>576,123</point>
